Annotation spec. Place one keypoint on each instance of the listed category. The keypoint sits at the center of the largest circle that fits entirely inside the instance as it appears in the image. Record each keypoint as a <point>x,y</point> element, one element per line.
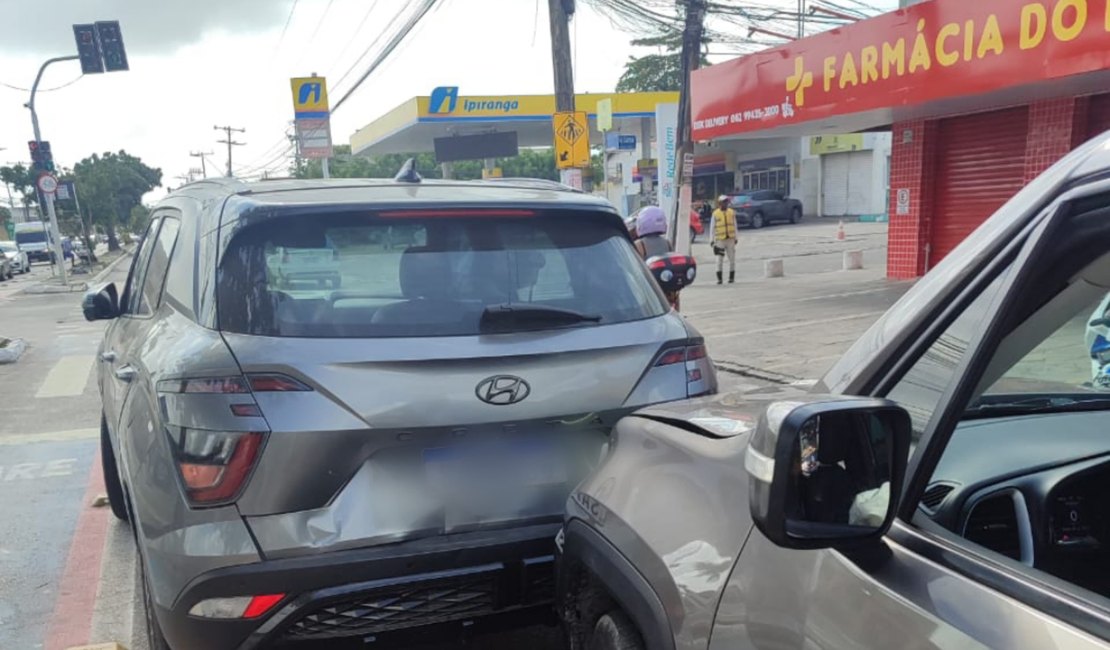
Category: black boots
<point>719,276</point>
<point>731,277</point>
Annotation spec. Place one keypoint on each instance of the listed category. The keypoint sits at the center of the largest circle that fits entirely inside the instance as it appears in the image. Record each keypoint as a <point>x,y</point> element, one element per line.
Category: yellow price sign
<point>572,139</point>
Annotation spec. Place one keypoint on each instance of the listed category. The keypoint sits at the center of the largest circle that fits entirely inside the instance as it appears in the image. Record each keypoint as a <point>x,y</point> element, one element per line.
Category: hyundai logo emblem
<point>502,389</point>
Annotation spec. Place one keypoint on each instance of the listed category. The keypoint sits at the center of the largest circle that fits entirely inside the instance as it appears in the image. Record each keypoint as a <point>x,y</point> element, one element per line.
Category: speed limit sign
<point>47,184</point>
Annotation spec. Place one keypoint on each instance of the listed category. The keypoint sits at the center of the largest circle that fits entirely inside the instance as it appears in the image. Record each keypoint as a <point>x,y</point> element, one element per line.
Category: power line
<point>388,49</point>
<point>354,35</point>
<point>315,31</point>
<point>44,90</point>
<point>369,47</point>
<point>285,28</point>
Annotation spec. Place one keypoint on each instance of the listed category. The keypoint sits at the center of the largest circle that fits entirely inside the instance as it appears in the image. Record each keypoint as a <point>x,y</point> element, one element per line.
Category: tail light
<point>749,204</point>
<point>464,212</point>
<point>215,465</point>
<point>689,354</point>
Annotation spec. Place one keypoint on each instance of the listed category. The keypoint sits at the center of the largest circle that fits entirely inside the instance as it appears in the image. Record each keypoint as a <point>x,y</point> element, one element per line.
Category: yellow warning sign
<point>572,139</point>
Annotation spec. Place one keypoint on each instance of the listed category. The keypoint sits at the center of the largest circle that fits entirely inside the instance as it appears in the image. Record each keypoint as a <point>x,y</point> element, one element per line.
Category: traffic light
<point>41,157</point>
<point>111,45</point>
<point>88,49</point>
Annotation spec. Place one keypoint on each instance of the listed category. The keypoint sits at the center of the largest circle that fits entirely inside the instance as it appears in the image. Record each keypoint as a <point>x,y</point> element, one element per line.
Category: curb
<point>12,351</point>
<point>111,267</point>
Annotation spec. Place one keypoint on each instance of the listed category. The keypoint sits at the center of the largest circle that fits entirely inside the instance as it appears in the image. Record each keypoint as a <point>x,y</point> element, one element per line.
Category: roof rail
<point>231,183</point>
<point>538,183</point>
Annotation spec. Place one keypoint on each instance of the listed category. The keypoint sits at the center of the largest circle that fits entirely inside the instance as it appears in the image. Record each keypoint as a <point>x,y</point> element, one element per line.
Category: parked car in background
<point>6,272</point>
<point>942,487</point>
<point>758,208</point>
<point>358,462</point>
<point>305,267</point>
<point>18,259</point>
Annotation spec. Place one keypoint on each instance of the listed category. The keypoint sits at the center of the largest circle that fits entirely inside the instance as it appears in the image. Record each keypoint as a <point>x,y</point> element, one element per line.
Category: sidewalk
<point>82,277</point>
<point>790,329</point>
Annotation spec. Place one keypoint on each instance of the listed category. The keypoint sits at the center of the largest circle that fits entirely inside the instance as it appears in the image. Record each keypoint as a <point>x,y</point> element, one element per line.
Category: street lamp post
<point>48,197</point>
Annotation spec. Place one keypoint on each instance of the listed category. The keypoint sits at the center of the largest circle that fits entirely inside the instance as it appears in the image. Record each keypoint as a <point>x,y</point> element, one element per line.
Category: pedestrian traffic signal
<point>88,49</point>
<point>41,157</point>
<point>111,45</point>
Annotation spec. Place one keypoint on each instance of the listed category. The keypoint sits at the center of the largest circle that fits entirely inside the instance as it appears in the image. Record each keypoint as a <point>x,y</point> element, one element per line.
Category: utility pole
<point>691,60</point>
<point>559,11</point>
<point>230,143</point>
<point>201,155</point>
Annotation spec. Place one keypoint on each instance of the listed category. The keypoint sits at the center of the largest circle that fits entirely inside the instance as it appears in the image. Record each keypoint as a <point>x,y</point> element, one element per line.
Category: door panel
<point>780,598</point>
<point>980,165</point>
<point>834,185</point>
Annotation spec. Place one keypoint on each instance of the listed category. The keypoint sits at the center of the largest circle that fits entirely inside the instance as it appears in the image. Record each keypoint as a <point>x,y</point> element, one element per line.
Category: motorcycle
<point>673,272</point>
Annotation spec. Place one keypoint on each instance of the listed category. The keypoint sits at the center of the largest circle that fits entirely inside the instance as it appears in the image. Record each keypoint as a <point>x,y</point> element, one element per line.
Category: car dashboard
<point>1032,488</point>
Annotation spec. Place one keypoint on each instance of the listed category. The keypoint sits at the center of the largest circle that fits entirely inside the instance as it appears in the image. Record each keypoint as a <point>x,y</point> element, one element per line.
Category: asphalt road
<point>67,570</point>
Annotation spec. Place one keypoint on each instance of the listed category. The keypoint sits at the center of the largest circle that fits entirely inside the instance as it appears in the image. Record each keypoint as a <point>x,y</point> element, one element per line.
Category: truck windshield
<point>33,237</point>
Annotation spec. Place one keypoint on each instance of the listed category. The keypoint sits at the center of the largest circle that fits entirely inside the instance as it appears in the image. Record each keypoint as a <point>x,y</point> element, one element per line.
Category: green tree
<point>110,186</point>
<point>22,180</point>
<point>661,71</point>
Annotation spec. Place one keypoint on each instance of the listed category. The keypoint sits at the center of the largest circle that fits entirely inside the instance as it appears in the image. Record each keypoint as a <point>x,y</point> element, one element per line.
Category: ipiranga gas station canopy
<point>413,126</point>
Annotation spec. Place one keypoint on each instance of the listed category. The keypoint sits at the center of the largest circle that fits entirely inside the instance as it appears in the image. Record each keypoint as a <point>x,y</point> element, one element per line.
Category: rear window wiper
<point>1041,404</point>
<point>515,316</point>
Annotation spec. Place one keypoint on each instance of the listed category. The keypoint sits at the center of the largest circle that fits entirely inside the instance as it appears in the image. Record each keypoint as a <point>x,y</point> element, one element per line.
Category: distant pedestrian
<point>723,231</point>
<point>67,251</point>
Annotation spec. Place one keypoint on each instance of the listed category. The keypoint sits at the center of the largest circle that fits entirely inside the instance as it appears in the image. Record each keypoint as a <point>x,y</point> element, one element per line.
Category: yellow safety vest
<point>724,224</point>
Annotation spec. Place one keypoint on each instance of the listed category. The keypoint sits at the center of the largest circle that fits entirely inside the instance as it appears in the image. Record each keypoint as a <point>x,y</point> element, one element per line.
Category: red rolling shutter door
<point>980,165</point>
<point>1098,115</point>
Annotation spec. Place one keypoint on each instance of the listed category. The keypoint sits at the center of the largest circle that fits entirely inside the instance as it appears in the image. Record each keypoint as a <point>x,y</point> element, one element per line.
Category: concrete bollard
<point>772,269</point>
<point>853,260</point>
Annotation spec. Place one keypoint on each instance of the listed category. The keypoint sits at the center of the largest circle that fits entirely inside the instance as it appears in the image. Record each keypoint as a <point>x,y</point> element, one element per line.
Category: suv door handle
<point>125,372</point>
<point>108,356</point>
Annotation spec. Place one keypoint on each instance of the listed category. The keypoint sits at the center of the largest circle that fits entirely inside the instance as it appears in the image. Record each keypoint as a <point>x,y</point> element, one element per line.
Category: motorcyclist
<point>651,229</point>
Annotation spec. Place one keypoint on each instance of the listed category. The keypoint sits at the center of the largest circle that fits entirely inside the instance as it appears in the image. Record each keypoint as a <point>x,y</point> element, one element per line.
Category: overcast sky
<point>200,63</point>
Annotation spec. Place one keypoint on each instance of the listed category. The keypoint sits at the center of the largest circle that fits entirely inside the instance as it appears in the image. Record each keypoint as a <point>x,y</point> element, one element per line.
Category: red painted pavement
<point>71,622</point>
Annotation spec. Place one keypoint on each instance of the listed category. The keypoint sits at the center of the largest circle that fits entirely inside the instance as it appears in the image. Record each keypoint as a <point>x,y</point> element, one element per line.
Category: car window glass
<point>352,277</point>
<point>155,277</point>
<point>1016,475</point>
<point>920,389</point>
<point>131,294</point>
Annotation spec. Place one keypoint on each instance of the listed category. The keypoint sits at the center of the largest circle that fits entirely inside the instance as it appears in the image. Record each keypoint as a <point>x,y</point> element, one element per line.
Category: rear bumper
<point>443,582</point>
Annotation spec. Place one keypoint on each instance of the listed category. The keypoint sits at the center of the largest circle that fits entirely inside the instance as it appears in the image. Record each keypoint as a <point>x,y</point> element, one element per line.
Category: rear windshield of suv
<point>365,276</point>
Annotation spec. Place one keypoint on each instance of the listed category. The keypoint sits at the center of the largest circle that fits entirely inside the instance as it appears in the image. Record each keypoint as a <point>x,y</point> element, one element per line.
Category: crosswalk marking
<point>51,436</point>
<point>68,377</point>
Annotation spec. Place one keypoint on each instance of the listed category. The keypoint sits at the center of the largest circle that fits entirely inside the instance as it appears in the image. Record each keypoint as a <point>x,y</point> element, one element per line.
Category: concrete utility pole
<point>559,11</point>
<point>230,143</point>
<point>201,155</point>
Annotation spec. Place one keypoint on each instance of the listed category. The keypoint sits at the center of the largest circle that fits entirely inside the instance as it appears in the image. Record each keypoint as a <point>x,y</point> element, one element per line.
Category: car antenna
<point>408,173</point>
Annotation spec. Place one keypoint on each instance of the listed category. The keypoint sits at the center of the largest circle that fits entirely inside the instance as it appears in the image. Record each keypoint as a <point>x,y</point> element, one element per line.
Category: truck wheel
<point>615,632</point>
<point>795,215</point>
<point>757,220</point>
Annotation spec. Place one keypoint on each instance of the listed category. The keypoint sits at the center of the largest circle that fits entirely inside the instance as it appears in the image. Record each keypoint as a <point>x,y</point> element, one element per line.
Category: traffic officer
<point>723,228</point>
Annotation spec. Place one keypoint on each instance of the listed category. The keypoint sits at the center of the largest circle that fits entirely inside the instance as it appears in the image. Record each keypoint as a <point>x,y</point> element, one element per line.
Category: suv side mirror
<point>101,302</point>
<point>826,470</point>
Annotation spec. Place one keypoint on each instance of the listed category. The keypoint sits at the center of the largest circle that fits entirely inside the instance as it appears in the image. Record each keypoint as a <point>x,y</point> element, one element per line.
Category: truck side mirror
<point>827,471</point>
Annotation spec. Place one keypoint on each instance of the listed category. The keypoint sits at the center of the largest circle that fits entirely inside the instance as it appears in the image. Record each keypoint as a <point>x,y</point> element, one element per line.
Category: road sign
<point>310,97</point>
<point>47,184</point>
<point>572,140</point>
<point>605,115</point>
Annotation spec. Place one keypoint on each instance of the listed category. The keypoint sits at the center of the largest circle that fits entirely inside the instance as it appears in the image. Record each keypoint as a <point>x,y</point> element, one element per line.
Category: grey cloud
<point>149,26</point>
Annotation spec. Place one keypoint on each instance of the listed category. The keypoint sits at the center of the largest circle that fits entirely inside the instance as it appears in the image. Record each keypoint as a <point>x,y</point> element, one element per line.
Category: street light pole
<point>55,234</point>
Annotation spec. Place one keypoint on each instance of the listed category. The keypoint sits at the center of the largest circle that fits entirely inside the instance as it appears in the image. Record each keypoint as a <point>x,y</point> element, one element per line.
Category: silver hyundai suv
<point>386,443</point>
